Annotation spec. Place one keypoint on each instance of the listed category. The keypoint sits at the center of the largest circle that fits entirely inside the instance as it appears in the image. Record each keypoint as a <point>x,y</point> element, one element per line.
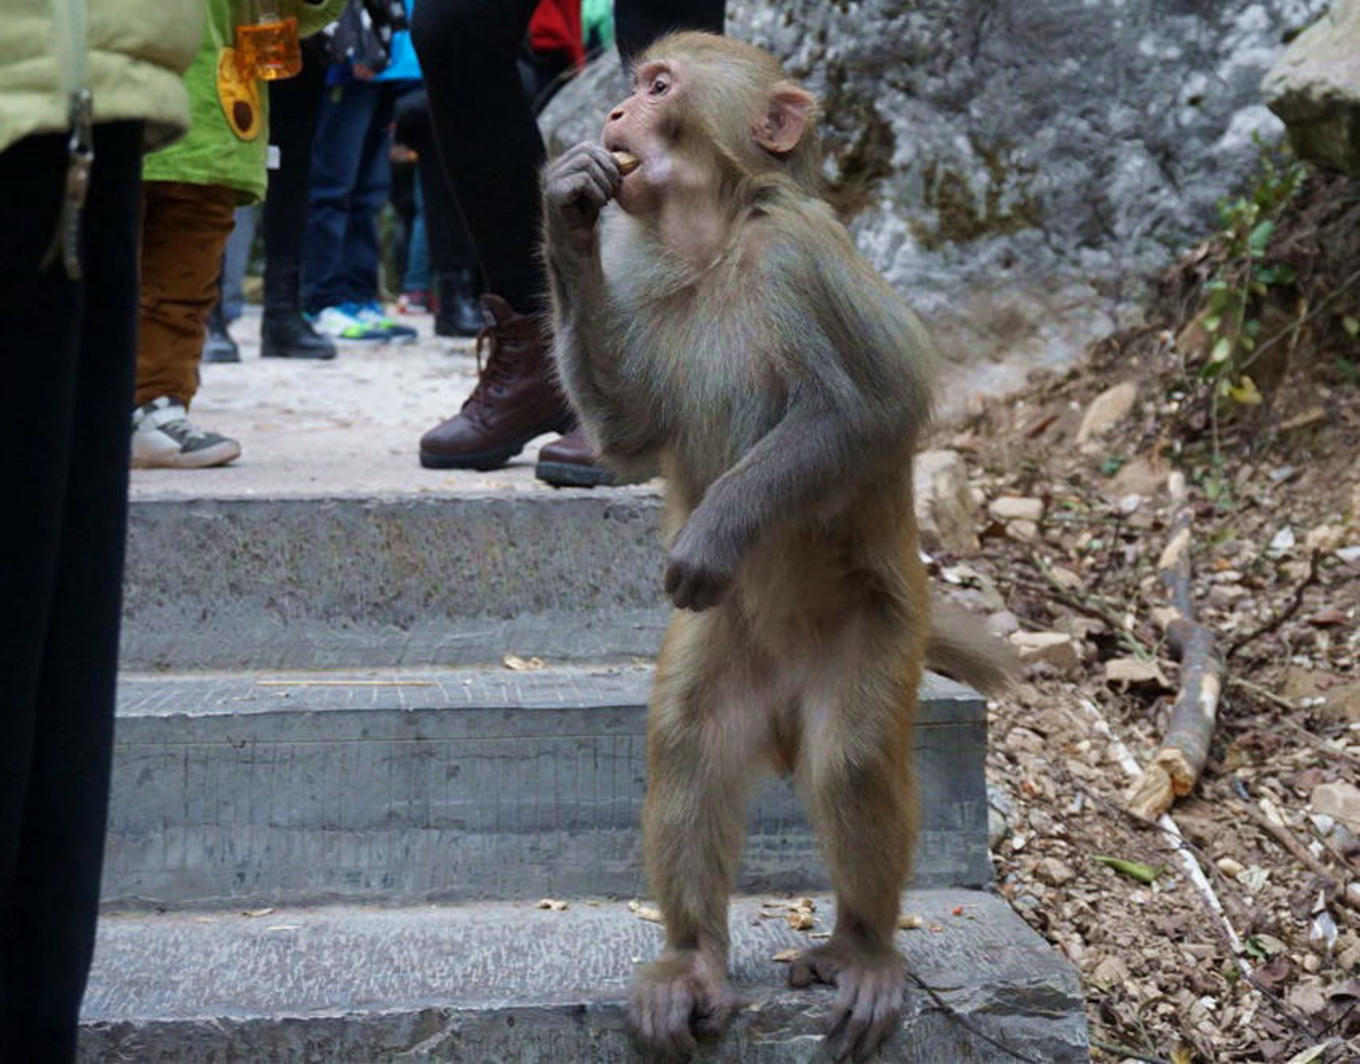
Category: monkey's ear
<point>786,118</point>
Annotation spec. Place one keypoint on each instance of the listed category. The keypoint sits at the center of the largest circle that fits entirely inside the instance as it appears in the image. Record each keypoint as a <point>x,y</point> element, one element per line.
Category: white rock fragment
<point>1106,410</point>
<point>946,509</point>
<point>1054,648</point>
<point>1016,508</point>
<point>1340,800</point>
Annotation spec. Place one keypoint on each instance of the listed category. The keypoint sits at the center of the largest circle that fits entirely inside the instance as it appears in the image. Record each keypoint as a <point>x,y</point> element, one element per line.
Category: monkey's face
<point>648,125</point>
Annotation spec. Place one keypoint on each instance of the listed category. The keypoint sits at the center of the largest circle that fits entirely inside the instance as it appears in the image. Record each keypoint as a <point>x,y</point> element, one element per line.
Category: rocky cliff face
<point>1015,166</point>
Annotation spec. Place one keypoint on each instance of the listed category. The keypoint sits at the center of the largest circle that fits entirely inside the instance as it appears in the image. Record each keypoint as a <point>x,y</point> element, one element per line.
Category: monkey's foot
<point>679,998</point>
<point>869,983</point>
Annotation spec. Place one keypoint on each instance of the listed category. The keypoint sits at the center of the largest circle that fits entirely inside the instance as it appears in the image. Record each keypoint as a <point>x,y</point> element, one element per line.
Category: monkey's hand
<point>699,568</point>
<point>575,188</point>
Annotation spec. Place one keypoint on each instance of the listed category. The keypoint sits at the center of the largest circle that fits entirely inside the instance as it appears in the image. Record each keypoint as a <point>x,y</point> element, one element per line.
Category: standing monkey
<point>722,326</point>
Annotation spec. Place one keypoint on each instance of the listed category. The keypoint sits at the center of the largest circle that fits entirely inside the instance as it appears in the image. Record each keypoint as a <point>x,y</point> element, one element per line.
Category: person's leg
<point>362,249</point>
<point>235,262</point>
<point>416,276</point>
<point>468,51</point>
<point>342,128</point>
<point>637,23</point>
<point>294,104</point>
<point>184,228</point>
<point>64,453</point>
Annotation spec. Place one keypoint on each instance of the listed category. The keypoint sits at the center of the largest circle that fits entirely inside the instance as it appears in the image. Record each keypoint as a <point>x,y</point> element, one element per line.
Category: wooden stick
<point>1176,766</point>
<point>1286,838</point>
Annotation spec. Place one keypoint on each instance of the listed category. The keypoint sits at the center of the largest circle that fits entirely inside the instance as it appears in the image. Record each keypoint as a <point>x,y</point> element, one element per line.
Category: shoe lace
<point>496,372</point>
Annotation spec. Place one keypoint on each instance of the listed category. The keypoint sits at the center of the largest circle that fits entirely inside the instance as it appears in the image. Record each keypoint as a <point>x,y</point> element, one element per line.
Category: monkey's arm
<point>589,327</point>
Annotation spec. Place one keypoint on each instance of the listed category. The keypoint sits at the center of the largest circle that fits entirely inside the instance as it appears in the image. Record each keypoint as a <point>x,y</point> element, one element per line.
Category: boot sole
<point>571,475</point>
<point>485,461</point>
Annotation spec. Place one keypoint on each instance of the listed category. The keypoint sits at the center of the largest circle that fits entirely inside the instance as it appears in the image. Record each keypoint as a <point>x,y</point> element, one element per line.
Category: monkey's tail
<point>960,647</point>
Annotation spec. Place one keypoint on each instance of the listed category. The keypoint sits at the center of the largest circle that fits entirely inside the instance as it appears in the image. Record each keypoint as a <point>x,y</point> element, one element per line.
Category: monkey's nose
<point>615,114</point>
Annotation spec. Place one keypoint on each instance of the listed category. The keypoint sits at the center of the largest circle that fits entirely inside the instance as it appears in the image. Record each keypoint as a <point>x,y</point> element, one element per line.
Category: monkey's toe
<point>867,1011</point>
<point>675,1002</point>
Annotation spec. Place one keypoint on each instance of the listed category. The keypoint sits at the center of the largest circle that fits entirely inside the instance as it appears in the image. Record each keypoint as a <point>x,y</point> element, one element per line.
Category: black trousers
<point>69,350</point>
<point>450,247</point>
<point>294,104</point>
<point>484,125</point>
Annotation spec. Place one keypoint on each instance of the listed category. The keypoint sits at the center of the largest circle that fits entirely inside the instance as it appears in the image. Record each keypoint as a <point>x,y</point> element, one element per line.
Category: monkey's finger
<point>676,1019</point>
<point>887,1015</point>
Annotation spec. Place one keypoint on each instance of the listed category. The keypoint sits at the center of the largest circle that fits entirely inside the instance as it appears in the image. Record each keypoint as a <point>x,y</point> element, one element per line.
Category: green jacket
<point>229,136</point>
<point>134,53</point>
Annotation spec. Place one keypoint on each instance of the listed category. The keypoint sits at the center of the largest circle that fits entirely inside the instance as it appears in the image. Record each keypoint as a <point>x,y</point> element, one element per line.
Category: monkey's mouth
<point>626,160</point>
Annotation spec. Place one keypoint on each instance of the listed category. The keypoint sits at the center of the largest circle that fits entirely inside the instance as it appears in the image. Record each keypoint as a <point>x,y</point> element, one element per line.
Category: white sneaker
<point>164,438</point>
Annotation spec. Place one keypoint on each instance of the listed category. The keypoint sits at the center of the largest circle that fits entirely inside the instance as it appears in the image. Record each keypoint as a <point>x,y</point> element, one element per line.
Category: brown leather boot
<point>515,399</point>
<point>569,463</point>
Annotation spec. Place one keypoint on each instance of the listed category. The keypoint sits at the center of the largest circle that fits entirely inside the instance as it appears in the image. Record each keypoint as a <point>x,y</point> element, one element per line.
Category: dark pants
<point>68,347</point>
<point>484,125</point>
<point>294,104</point>
<point>449,247</point>
<point>351,176</point>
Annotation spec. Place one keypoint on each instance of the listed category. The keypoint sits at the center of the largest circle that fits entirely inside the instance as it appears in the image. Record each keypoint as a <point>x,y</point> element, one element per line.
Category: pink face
<point>637,126</point>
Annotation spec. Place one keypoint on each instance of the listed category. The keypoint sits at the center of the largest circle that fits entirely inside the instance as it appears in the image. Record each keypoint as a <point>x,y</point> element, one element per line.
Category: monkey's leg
<point>703,738</point>
<point>857,777</point>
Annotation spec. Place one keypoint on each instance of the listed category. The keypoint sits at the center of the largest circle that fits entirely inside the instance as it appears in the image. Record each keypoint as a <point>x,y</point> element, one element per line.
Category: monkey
<point>712,319</point>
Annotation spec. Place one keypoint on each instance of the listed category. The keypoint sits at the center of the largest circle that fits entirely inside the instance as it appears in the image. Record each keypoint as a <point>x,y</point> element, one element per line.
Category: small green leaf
<point>1221,350</point>
<point>1133,869</point>
<point>1112,465</point>
<point>1212,322</point>
<point>1260,237</point>
<point>1351,325</point>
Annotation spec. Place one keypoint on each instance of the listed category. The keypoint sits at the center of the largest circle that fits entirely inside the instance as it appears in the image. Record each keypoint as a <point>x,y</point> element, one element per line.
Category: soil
<point>1274,491</point>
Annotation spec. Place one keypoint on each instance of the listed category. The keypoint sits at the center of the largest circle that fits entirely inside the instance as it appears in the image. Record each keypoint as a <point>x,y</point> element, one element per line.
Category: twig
<point>1323,303</point>
<point>1126,1053</point>
<point>1176,766</point>
<point>1089,605</point>
<point>1261,692</point>
<point>1286,838</point>
<point>1319,743</point>
<point>1282,615</point>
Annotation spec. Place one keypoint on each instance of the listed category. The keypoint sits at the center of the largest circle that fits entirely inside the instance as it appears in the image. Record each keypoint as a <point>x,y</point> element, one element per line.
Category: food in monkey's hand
<point>627,161</point>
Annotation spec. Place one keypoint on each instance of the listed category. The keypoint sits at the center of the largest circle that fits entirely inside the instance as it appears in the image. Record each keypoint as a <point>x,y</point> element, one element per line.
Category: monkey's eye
<point>659,85</point>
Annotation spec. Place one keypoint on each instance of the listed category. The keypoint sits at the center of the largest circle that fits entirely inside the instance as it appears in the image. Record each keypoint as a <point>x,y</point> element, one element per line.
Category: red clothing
<point>556,27</point>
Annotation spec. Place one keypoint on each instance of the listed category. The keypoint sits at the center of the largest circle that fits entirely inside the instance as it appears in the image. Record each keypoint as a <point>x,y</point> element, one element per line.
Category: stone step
<point>511,982</point>
<point>435,785</point>
<point>393,580</point>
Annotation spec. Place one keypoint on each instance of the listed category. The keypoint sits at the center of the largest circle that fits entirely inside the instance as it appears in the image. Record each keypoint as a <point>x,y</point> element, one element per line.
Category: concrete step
<point>435,785</point>
<point>393,580</point>
<point>510,982</point>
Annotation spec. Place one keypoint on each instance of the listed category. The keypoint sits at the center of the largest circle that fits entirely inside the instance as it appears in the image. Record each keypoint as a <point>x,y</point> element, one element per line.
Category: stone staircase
<point>336,806</point>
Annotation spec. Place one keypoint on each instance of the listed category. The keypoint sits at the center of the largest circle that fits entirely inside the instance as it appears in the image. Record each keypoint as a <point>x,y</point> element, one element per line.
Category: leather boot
<point>569,463</point>
<point>218,346</point>
<point>290,335</point>
<point>515,399</point>
<point>456,310</point>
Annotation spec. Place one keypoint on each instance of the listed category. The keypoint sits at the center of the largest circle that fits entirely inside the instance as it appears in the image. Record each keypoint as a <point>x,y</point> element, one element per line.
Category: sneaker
<point>416,301</point>
<point>164,438</point>
<point>372,314</point>
<point>339,323</point>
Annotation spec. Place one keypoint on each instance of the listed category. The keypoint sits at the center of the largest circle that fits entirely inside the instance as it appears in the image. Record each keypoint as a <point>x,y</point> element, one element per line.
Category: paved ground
<point>346,427</point>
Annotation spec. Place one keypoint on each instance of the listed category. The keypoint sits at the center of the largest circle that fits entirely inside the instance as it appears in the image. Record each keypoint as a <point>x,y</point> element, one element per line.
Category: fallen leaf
<point>1312,1053</point>
<point>519,664</point>
<point>554,904</point>
<point>258,912</point>
<point>801,920</point>
<point>644,912</point>
<point>1143,873</point>
<point>910,922</point>
<point>784,956</point>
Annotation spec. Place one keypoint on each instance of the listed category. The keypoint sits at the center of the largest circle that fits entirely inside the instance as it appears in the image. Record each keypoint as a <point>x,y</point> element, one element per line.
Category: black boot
<point>459,312</point>
<point>292,336</point>
<point>218,346</point>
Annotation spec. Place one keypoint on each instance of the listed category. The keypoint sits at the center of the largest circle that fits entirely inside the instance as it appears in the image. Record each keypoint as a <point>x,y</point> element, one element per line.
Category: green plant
<point>1246,274</point>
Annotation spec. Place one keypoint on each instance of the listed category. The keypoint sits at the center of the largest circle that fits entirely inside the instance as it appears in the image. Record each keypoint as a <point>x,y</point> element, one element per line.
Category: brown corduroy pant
<point>184,231</point>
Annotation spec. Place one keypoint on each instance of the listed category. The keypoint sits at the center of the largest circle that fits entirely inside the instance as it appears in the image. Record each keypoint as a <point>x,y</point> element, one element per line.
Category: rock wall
<point>1016,167</point>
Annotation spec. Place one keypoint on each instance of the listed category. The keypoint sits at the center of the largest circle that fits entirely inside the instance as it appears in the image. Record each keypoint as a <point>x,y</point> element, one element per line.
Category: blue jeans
<point>351,176</point>
<point>417,249</point>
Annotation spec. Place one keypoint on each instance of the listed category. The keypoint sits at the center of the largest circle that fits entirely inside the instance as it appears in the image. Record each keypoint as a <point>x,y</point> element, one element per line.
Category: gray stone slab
<point>511,982</point>
<point>395,580</point>
<point>411,785</point>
